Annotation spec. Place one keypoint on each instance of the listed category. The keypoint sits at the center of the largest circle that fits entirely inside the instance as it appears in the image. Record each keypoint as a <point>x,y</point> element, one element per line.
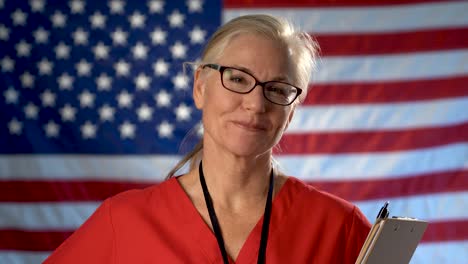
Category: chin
<point>248,149</point>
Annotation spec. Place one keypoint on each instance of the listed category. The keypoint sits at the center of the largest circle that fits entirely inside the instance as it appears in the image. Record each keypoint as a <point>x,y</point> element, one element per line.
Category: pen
<point>383,213</point>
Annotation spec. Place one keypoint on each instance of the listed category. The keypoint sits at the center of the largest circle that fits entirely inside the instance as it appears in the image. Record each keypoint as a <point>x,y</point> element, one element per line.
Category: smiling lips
<point>251,126</point>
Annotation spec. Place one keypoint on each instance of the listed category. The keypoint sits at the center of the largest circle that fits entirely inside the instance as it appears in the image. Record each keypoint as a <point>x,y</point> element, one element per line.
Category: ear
<point>198,89</point>
<point>291,114</point>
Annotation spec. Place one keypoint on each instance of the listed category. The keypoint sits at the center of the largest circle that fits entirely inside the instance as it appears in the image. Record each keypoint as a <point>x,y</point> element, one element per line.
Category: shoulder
<point>325,208</point>
<point>142,199</point>
<point>320,201</point>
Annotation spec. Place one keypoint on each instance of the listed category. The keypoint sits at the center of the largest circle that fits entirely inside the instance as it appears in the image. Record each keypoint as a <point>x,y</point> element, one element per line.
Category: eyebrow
<point>279,78</point>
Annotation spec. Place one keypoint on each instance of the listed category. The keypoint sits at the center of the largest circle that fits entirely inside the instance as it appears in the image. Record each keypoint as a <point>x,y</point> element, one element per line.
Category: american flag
<point>94,100</point>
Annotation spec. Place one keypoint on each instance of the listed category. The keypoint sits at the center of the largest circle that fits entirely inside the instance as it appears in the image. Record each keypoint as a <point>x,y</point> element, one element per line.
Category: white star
<point>200,129</point>
<point>65,81</point>
<point>116,6</point>
<point>104,82</point>
<point>137,20</point>
<point>142,81</point>
<point>97,20</point>
<point>4,32</point>
<point>183,112</point>
<point>194,6</point>
<point>37,5</point>
<point>155,6</point>
<point>158,36</point>
<point>165,129</point>
<point>11,96</point>
<point>163,99</point>
<point>122,68</point>
<point>140,51</point>
<point>19,18</point>
<point>15,127</point>
<point>83,68</point>
<point>45,66</point>
<point>31,111</point>
<point>160,67</point>
<point>101,51</point>
<point>176,19</point>
<point>58,19</point>
<point>77,6</point>
<point>68,113</point>
<point>119,37</point>
<point>27,80</point>
<point>7,64</point>
<point>23,49</point>
<point>48,98</point>
<point>180,81</point>
<point>178,50</point>
<point>145,113</point>
<point>86,99</point>
<point>80,37</point>
<point>127,130</point>
<point>62,51</point>
<point>124,99</point>
<point>88,130</point>
<point>52,129</point>
<point>41,36</point>
<point>106,113</point>
<point>197,35</point>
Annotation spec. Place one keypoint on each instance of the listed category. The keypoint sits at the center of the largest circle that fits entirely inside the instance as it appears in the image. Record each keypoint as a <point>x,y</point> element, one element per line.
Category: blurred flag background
<point>94,101</point>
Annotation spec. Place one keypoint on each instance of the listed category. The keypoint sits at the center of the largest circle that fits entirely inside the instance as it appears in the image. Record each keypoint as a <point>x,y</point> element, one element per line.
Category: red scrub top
<point>159,224</point>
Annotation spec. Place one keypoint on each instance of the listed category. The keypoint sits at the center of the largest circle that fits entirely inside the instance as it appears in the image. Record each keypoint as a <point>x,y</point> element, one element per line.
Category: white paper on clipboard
<point>392,240</point>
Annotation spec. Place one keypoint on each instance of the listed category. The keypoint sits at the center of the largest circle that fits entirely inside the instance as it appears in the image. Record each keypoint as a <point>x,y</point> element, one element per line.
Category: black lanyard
<point>215,223</point>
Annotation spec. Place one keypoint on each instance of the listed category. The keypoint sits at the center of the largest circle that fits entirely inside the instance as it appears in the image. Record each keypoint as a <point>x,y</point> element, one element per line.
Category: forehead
<point>265,57</point>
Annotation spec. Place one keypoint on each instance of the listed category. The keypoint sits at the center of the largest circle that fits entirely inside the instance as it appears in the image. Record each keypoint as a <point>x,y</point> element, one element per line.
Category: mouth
<point>251,126</point>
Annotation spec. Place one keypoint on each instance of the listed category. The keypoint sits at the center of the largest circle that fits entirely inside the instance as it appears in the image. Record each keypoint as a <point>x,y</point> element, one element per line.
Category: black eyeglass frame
<point>221,70</point>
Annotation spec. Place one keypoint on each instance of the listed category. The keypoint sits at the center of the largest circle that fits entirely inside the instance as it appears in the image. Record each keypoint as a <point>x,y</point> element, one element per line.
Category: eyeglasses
<point>242,82</point>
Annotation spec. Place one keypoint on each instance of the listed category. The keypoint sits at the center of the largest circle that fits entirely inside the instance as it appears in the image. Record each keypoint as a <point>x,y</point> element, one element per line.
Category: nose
<point>255,101</point>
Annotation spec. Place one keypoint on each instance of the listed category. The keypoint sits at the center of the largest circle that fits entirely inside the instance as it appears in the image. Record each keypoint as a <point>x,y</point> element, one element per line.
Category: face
<point>244,124</point>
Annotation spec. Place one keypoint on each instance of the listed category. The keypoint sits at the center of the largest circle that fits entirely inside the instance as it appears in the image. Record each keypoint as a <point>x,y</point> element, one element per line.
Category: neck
<point>236,182</point>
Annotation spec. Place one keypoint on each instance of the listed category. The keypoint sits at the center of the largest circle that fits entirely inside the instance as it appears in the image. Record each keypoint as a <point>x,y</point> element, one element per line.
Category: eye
<point>279,91</point>
<point>237,79</point>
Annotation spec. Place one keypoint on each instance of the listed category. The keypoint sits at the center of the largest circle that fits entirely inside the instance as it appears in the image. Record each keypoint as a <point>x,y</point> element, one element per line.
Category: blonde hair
<point>302,49</point>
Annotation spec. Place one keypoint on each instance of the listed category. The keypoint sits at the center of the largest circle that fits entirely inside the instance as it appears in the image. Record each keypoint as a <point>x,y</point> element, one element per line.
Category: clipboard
<point>391,240</point>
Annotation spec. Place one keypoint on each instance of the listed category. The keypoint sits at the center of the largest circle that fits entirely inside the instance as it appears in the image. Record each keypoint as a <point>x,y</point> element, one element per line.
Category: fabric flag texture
<point>94,100</point>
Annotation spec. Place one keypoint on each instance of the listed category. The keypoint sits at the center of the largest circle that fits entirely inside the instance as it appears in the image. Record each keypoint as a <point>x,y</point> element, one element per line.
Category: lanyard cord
<point>215,223</point>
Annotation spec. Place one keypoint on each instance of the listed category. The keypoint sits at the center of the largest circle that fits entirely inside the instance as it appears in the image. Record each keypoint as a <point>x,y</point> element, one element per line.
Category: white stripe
<point>433,207</point>
<point>411,66</point>
<point>448,252</point>
<point>69,216</point>
<point>22,257</point>
<point>149,168</point>
<point>45,215</point>
<point>376,165</point>
<point>368,19</point>
<point>307,167</point>
<point>387,116</point>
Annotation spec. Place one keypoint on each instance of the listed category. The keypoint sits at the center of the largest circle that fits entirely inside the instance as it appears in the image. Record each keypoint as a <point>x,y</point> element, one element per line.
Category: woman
<point>232,205</point>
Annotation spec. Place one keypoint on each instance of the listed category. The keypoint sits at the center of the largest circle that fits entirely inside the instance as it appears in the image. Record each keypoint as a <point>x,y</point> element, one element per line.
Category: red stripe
<point>455,230</point>
<point>32,240</point>
<point>354,190</point>
<point>61,191</point>
<point>371,189</point>
<point>388,91</point>
<point>50,240</point>
<point>391,43</point>
<point>317,3</point>
<point>371,141</point>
